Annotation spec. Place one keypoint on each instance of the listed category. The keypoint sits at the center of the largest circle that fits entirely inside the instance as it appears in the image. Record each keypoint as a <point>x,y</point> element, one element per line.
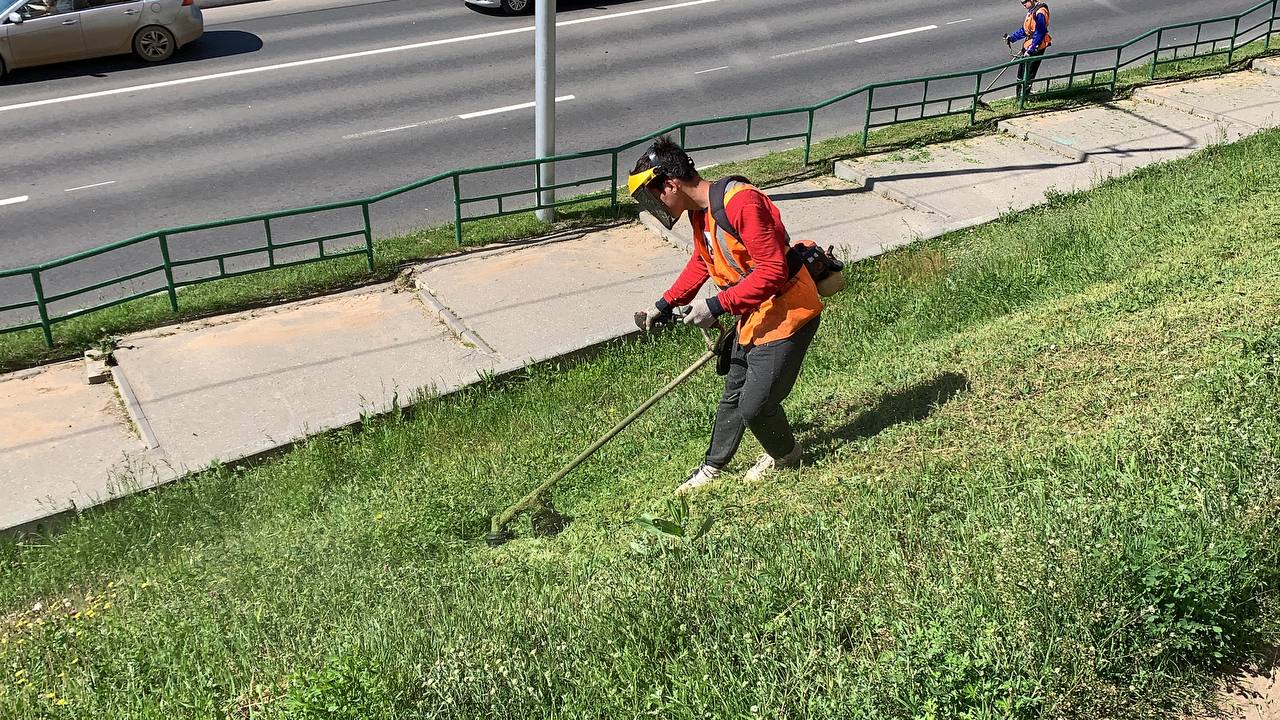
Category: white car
<point>510,7</point>
<point>40,32</point>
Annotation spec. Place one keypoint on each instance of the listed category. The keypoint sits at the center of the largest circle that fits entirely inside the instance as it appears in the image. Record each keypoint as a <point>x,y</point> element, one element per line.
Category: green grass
<point>27,348</point>
<point>1042,480</point>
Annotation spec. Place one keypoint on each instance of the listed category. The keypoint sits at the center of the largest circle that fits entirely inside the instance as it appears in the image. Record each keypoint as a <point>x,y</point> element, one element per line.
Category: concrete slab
<point>830,211</point>
<point>1128,134</point>
<point>231,387</point>
<point>1244,98</point>
<point>538,301</point>
<point>1270,66</point>
<point>63,443</point>
<point>970,181</point>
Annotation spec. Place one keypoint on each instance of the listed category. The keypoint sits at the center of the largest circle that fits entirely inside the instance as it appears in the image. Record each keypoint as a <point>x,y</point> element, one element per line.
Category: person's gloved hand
<point>654,317</point>
<point>700,314</point>
<point>1006,39</point>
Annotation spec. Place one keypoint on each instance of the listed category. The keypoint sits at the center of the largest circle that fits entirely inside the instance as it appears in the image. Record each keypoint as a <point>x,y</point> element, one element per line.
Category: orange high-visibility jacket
<point>1029,27</point>
<point>729,262</point>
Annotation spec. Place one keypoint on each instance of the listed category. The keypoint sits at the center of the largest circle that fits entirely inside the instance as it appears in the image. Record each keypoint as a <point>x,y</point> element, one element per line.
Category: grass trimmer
<point>1012,56</point>
<point>498,532</point>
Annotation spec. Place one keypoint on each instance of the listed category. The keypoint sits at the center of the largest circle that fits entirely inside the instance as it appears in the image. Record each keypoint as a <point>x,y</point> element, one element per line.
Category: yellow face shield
<point>638,185</point>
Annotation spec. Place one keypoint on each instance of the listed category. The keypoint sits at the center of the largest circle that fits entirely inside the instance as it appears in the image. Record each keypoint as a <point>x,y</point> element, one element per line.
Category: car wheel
<point>154,44</point>
<point>516,7</point>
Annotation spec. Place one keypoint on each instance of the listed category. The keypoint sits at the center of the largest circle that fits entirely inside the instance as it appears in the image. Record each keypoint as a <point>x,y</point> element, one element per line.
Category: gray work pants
<point>760,378</point>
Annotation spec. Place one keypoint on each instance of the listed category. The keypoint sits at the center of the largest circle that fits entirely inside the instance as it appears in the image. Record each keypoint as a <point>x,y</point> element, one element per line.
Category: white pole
<point>544,80</point>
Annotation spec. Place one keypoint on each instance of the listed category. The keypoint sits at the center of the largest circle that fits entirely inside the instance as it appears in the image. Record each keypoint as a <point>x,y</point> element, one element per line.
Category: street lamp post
<point>544,80</point>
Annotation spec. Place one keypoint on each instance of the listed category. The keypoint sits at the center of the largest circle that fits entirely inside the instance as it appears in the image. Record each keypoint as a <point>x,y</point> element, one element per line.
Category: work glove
<point>654,317</point>
<point>700,314</point>
<point>1007,41</point>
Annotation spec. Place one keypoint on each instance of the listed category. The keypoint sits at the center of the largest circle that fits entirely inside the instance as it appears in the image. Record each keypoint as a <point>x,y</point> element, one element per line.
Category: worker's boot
<point>702,475</point>
<point>768,463</point>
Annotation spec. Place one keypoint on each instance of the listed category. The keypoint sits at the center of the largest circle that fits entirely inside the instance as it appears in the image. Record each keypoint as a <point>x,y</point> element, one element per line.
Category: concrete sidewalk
<point>225,389</point>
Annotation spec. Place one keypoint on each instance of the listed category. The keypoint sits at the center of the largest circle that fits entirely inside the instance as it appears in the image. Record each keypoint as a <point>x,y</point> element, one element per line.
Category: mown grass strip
<point>1042,481</point>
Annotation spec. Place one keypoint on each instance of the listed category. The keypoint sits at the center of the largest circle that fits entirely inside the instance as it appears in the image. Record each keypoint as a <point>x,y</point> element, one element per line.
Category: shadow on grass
<point>906,405</point>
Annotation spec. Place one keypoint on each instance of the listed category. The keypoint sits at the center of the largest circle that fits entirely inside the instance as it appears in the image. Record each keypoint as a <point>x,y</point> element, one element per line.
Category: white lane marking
<point>629,13</point>
<point>832,46</point>
<point>86,187</point>
<point>957,22</point>
<point>14,200</point>
<point>900,33</point>
<point>335,58</point>
<point>509,108</point>
<point>722,67</point>
<point>370,133</point>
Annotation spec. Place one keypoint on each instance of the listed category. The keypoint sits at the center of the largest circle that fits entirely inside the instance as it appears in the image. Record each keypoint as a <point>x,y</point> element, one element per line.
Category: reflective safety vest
<point>728,262</point>
<point>1029,27</point>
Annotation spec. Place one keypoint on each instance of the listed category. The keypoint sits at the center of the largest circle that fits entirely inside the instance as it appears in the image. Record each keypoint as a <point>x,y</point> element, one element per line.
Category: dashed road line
<point>14,200</point>
<point>820,48</point>
<point>86,187</point>
<point>711,70</point>
<point>899,33</point>
<point>957,22</point>
<point>371,133</point>
<point>335,58</point>
<point>509,108</point>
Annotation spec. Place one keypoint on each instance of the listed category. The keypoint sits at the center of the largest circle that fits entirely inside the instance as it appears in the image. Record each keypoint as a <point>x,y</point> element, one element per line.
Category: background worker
<point>778,310</point>
<point>1035,39</point>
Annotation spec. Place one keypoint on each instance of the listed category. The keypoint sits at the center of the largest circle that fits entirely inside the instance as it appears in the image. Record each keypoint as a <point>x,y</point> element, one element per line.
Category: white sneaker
<point>768,463</point>
<point>702,475</point>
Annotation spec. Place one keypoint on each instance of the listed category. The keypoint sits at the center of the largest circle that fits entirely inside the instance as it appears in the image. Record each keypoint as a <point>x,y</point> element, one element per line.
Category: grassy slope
<point>1043,481</point>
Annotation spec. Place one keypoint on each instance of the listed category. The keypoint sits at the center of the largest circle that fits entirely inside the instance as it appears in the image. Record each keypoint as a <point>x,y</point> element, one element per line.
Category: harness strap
<point>719,189</point>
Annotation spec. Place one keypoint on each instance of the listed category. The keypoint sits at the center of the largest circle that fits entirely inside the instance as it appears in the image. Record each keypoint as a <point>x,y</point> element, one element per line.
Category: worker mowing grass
<point>742,246</point>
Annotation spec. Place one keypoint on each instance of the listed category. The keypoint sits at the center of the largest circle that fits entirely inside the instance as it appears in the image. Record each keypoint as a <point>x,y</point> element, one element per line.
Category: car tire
<point>154,44</point>
<point>517,7</point>
<point>2,69</point>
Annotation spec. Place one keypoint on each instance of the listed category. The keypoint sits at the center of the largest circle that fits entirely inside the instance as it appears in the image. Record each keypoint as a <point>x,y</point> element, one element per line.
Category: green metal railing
<point>879,105</point>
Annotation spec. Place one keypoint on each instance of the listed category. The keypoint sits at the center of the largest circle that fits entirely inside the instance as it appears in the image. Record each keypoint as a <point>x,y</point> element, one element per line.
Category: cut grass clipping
<point>27,348</point>
<point>1042,481</point>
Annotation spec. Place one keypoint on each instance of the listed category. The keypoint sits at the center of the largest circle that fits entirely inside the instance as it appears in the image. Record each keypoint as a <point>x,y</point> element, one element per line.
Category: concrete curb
<point>1266,66</point>
<point>134,409</point>
<point>1146,95</point>
<point>676,240</point>
<point>1010,127</point>
<point>846,171</point>
<point>452,321</point>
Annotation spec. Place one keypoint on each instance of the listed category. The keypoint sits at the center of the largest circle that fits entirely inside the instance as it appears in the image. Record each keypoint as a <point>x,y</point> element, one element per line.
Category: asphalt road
<point>286,103</point>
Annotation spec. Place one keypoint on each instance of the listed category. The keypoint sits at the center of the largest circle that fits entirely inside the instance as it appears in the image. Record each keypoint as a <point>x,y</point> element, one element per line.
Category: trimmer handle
<point>676,314</point>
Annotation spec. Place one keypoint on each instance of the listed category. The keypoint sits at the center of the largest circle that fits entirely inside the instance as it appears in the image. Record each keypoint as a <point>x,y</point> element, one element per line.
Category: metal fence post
<point>977,97</point>
<point>44,311</point>
<point>808,138</point>
<point>866,123</point>
<point>613,184</point>
<point>1271,24</point>
<point>1155,54</point>
<point>168,271</point>
<point>368,234</point>
<point>1231,53</point>
<point>1115,72</point>
<point>271,248</point>
<point>457,210</point>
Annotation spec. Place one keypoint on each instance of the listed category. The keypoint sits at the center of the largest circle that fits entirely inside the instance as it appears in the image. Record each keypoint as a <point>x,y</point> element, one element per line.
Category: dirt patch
<point>1253,694</point>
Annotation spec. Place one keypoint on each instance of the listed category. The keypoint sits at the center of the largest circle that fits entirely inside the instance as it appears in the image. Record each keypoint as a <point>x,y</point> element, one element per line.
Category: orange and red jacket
<point>771,302</point>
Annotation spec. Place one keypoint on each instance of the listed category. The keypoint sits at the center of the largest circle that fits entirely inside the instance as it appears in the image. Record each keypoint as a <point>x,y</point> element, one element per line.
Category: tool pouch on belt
<point>823,266</point>
<point>724,353</point>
